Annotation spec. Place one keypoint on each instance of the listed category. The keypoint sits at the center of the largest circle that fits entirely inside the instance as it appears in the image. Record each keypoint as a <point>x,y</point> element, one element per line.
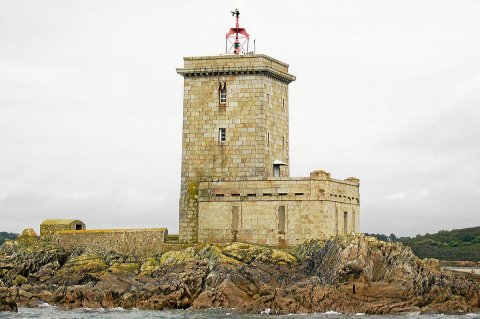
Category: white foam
<point>416,313</point>
<point>267,311</point>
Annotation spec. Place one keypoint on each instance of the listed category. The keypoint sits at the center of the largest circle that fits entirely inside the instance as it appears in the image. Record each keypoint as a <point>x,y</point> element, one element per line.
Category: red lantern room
<point>237,38</point>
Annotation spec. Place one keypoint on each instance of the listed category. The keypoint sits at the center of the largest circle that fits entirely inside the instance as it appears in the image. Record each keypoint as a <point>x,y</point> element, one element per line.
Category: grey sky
<point>91,106</point>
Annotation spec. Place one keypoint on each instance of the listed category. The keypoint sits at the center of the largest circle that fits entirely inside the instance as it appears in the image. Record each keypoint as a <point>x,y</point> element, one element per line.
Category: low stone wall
<point>134,242</point>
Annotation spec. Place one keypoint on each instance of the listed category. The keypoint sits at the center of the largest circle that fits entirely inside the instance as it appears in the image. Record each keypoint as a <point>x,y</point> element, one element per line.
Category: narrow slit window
<point>281,219</point>
<point>298,194</point>
<point>268,138</point>
<point>222,134</point>
<point>223,93</point>
<point>235,218</point>
<point>353,221</point>
<point>345,222</point>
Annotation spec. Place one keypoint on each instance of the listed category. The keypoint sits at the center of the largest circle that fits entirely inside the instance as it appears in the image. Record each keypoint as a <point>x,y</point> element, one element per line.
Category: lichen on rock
<point>316,276</point>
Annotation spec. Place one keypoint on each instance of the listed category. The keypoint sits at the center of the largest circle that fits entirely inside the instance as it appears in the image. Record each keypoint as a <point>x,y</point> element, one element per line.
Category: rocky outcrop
<point>7,299</point>
<point>346,274</point>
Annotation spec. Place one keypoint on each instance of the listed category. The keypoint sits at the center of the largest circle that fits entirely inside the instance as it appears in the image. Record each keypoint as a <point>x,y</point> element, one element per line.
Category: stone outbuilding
<point>54,225</point>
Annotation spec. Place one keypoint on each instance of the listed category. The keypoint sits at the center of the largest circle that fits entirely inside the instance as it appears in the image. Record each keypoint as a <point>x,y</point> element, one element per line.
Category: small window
<point>268,138</point>
<point>298,194</point>
<point>282,194</point>
<point>235,194</point>
<point>222,134</point>
<point>283,141</point>
<point>252,195</point>
<point>283,103</point>
<point>219,195</point>
<point>223,93</point>
<point>267,194</point>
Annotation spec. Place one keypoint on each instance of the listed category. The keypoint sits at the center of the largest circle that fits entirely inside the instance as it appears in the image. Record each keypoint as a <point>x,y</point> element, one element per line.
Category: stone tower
<point>235,125</point>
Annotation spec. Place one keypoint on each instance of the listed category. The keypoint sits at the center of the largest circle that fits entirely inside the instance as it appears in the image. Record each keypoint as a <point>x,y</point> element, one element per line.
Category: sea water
<point>49,312</point>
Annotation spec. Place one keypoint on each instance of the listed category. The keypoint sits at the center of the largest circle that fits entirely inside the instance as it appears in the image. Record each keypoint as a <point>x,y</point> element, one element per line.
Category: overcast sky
<point>91,105</point>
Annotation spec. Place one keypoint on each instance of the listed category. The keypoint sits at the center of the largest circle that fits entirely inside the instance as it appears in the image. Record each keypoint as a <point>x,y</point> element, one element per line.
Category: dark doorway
<point>276,170</point>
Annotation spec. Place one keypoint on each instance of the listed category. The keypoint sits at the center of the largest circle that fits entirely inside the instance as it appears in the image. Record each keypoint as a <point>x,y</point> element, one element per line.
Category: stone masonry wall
<point>255,117</point>
<point>53,228</point>
<point>135,242</point>
<point>249,211</point>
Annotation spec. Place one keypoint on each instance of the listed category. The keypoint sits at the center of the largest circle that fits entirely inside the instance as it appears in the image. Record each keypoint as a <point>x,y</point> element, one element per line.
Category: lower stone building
<point>49,226</point>
<point>277,211</point>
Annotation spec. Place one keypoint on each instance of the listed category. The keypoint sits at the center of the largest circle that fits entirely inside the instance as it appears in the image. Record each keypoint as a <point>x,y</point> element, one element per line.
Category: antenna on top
<point>237,38</point>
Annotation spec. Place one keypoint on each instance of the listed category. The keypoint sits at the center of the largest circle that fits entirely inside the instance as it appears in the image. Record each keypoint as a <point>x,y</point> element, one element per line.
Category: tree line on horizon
<point>457,244</point>
<point>7,236</point>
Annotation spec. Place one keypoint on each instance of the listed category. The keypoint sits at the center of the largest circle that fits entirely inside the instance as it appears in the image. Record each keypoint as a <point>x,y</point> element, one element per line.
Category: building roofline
<point>267,69</point>
<point>61,221</point>
<point>235,56</point>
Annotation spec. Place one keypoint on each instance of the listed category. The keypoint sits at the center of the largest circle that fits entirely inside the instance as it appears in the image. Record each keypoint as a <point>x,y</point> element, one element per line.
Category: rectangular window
<point>268,138</point>
<point>345,222</point>
<point>283,103</point>
<point>283,141</point>
<point>223,93</point>
<point>222,134</point>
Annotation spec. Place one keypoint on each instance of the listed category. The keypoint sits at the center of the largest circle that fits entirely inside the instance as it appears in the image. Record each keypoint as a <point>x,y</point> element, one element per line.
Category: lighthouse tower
<point>235,120</point>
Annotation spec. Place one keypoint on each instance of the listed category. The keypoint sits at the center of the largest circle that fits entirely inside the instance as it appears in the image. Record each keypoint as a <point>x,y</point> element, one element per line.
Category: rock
<point>316,276</point>
<point>28,233</point>
<point>7,300</point>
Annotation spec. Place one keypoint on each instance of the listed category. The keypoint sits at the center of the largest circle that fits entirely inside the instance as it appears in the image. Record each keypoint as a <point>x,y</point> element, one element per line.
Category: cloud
<point>468,87</point>
<point>396,196</point>
<point>91,113</point>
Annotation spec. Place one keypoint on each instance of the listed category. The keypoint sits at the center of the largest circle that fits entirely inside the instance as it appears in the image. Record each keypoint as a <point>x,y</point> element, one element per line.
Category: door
<point>276,170</point>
